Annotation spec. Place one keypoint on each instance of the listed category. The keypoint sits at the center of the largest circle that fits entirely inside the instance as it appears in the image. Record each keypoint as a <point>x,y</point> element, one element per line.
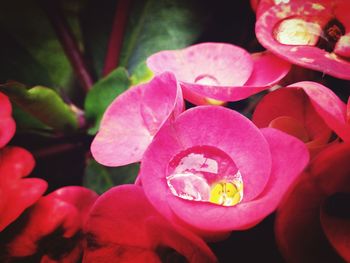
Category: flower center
<point>205,174</point>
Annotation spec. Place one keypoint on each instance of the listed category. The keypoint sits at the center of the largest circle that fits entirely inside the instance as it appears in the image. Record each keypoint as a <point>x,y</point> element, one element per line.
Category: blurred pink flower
<point>133,118</point>
<point>214,171</point>
<point>214,72</point>
<point>124,227</point>
<point>313,34</point>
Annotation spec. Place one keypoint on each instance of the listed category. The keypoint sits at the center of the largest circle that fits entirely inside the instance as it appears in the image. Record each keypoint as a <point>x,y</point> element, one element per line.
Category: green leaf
<point>142,74</point>
<point>102,94</point>
<point>100,178</point>
<point>156,25</point>
<point>30,51</point>
<point>44,104</point>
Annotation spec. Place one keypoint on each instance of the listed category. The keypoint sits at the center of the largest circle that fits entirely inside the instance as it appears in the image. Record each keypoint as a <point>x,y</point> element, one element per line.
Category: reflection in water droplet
<point>206,79</point>
<point>297,31</point>
<point>206,174</point>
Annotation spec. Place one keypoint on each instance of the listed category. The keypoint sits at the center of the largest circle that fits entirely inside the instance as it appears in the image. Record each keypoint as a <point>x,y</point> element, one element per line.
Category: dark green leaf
<point>102,94</point>
<point>44,104</point>
<point>29,49</point>
<point>156,25</point>
<point>100,178</point>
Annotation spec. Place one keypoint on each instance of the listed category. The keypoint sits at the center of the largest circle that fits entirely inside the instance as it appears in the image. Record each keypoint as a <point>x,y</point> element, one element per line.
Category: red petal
<point>123,226</point>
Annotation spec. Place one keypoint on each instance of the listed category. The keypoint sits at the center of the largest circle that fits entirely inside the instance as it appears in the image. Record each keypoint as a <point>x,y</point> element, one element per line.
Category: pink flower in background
<point>51,229</point>
<point>212,72</point>
<point>307,110</point>
<point>313,222</point>
<point>7,124</point>
<point>124,227</point>
<point>17,193</point>
<point>214,171</point>
<point>312,34</point>
<point>133,118</point>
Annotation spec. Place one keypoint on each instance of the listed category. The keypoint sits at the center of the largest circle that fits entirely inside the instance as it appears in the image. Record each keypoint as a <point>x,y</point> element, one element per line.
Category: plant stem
<point>55,150</point>
<point>68,43</point>
<point>116,37</point>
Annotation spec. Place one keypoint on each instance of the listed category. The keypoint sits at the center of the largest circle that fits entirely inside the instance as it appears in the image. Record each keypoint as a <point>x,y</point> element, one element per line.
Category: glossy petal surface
<point>133,118</point>
<point>124,227</point>
<point>219,71</point>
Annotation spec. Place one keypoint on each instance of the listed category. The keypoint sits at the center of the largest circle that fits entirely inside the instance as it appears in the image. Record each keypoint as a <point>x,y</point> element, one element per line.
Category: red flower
<point>315,215</point>
<point>214,171</point>
<point>307,110</point>
<point>313,34</point>
<point>16,192</point>
<point>124,227</point>
<point>209,72</point>
<point>7,124</point>
<point>51,229</point>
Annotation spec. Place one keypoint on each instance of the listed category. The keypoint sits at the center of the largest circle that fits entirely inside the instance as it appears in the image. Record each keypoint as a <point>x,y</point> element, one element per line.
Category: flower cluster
<point>206,168</point>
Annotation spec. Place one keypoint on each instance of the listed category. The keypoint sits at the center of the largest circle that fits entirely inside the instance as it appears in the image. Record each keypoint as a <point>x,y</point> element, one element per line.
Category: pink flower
<point>133,118</point>
<point>7,124</point>
<point>313,223</point>
<point>214,171</point>
<point>307,110</point>
<point>17,193</point>
<point>51,229</point>
<point>124,227</point>
<point>312,34</point>
<point>218,71</point>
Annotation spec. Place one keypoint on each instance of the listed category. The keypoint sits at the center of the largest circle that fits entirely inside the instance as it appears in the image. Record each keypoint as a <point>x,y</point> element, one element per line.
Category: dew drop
<point>297,31</point>
<point>206,79</point>
<point>205,174</point>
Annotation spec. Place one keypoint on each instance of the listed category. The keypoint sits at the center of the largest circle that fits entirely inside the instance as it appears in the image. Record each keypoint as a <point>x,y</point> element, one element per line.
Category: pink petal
<point>268,70</point>
<point>289,157</point>
<point>133,118</point>
<point>306,56</point>
<point>206,125</point>
<point>328,106</point>
<point>130,229</point>
<point>219,71</point>
<point>298,229</point>
<point>224,64</point>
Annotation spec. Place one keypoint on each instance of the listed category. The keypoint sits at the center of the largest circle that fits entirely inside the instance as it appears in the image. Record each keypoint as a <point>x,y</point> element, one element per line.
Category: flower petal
<point>133,118</point>
<point>289,157</point>
<point>328,106</point>
<point>213,126</point>
<point>309,56</point>
<point>298,229</point>
<point>17,194</point>
<point>124,226</point>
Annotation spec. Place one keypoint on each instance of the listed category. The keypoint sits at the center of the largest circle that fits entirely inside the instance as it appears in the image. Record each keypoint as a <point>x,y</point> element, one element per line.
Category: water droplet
<point>297,31</point>
<point>205,174</point>
<point>206,79</point>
